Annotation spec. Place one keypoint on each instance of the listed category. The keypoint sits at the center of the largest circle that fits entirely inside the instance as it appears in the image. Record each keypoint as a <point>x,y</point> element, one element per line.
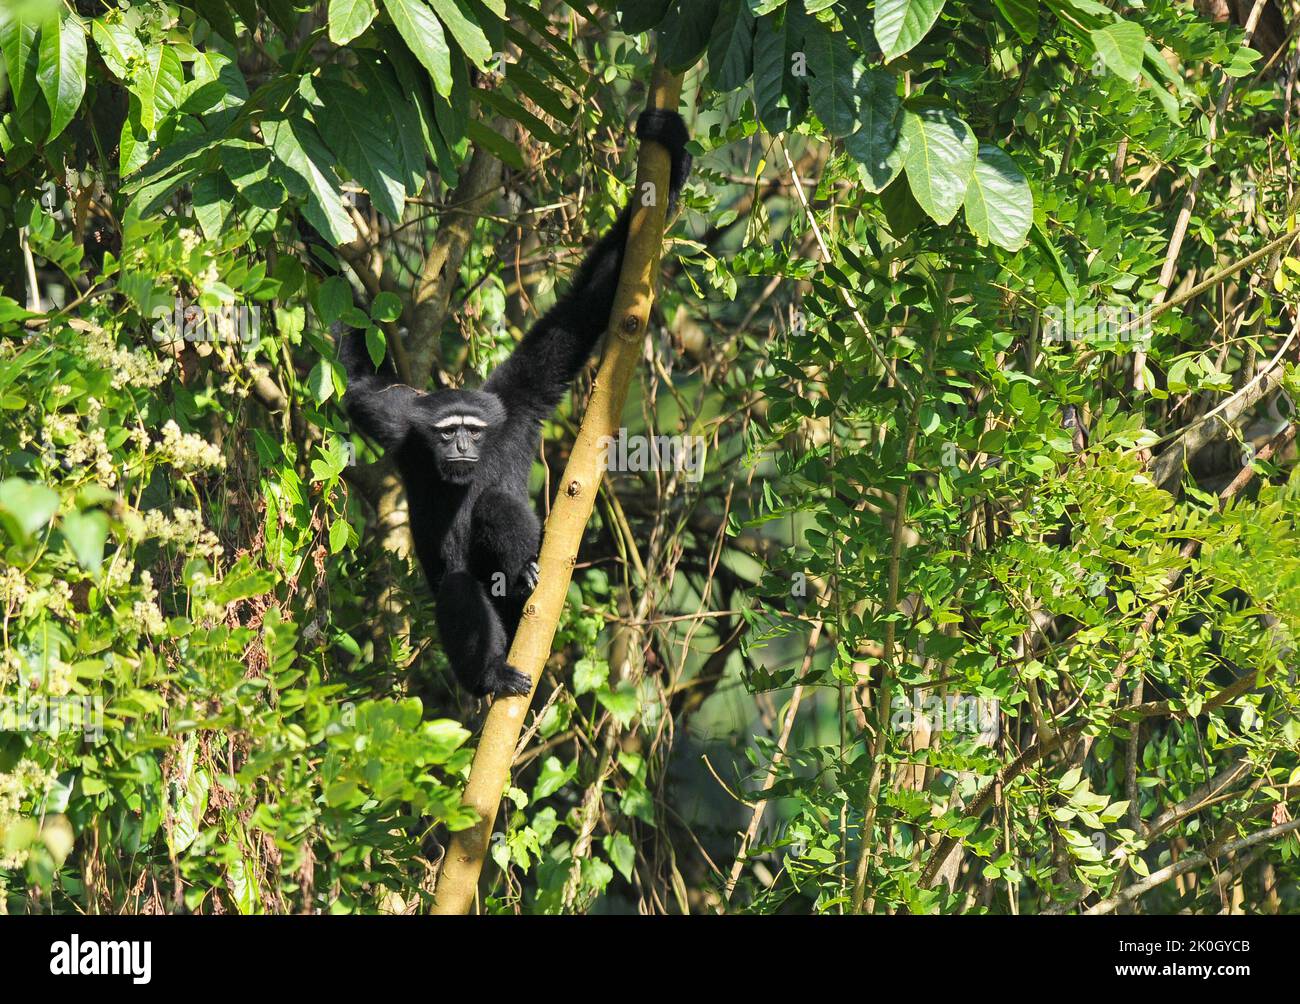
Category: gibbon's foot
<point>530,576</point>
<point>503,680</point>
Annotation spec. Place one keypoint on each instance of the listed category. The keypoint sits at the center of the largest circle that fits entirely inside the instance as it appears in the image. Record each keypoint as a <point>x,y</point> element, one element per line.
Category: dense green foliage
<point>955,618</point>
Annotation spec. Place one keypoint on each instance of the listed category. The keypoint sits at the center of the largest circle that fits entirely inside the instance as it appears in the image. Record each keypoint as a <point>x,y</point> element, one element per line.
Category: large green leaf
<point>1022,15</point>
<point>465,30</point>
<point>413,83</point>
<point>423,35</point>
<point>939,157</point>
<point>876,144</point>
<point>309,175</point>
<point>731,49</point>
<point>117,45</point>
<point>686,32</point>
<point>352,130</point>
<point>403,119</point>
<point>835,72</point>
<point>636,16</point>
<point>778,96</point>
<point>158,84</point>
<point>999,203</point>
<point>62,72</point>
<point>19,43</point>
<point>349,18</point>
<point>901,24</point>
<point>86,533</point>
<point>28,504</point>
<point>1120,47</point>
<point>248,166</point>
<point>212,198</point>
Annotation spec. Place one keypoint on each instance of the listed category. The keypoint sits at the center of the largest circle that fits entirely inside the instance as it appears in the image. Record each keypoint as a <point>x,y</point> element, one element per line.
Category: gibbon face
<point>457,428</point>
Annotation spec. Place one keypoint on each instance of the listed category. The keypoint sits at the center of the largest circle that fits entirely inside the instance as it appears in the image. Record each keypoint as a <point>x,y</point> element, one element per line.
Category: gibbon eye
<point>446,437</point>
<point>476,434</point>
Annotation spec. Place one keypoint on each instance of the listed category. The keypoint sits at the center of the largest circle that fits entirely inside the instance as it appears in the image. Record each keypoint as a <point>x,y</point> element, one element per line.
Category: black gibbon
<point>464,455</point>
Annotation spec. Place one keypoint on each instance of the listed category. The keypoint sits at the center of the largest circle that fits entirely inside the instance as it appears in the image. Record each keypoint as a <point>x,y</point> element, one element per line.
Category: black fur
<point>475,529</point>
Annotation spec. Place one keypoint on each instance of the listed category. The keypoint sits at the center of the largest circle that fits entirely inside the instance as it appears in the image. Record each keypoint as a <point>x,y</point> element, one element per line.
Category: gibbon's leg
<point>506,536</point>
<point>475,638</point>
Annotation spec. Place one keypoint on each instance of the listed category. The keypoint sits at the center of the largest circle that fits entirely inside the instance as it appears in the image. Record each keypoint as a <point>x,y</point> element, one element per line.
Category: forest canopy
<point>942,557</point>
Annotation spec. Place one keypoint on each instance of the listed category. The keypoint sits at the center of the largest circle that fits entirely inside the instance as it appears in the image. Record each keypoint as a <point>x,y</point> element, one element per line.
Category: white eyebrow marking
<point>450,420</point>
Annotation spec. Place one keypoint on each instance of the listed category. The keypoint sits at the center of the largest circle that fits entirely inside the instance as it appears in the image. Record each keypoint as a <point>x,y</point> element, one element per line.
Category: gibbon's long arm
<point>533,380</point>
<point>377,402</point>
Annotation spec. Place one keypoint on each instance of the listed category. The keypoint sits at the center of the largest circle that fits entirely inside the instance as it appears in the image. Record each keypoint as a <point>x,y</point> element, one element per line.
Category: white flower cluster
<point>25,781</point>
<point>13,588</point>
<point>144,615</point>
<point>21,599</point>
<point>184,528</point>
<point>129,367</point>
<point>59,677</point>
<point>91,450</point>
<point>10,664</point>
<point>188,452</point>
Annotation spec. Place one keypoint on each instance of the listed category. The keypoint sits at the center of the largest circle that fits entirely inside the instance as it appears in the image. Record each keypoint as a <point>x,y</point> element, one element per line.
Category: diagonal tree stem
<point>490,770</point>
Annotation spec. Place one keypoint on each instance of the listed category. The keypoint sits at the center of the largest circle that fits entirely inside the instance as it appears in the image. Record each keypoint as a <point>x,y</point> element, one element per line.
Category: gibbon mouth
<point>462,460</point>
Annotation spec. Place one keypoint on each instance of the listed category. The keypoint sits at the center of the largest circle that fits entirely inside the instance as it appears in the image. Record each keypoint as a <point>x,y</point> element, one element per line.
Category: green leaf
<point>28,503</point>
<point>423,35</point>
<point>85,533</point>
<point>308,175</point>
<point>386,306</point>
<point>405,114</point>
<point>339,531</point>
<point>623,703</point>
<point>248,166</point>
<point>901,24</point>
<point>212,199</point>
<point>589,675</point>
<point>11,310</point>
<point>1044,244</point>
<point>320,381</point>
<point>349,18</point>
<point>939,157</point>
<point>1022,15</point>
<point>187,816</point>
<point>376,345</point>
<point>497,145</point>
<point>620,850</point>
<point>636,16</point>
<point>731,49</point>
<point>117,45</point>
<point>834,82</point>
<point>876,144</point>
<point>62,72</point>
<point>465,30</point>
<point>552,777</point>
<point>685,33</point>
<point>19,43</point>
<point>1120,47</point>
<point>999,203</point>
<point>332,298</point>
<point>158,84</point>
<point>351,129</point>
<point>769,74</point>
<point>242,582</point>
